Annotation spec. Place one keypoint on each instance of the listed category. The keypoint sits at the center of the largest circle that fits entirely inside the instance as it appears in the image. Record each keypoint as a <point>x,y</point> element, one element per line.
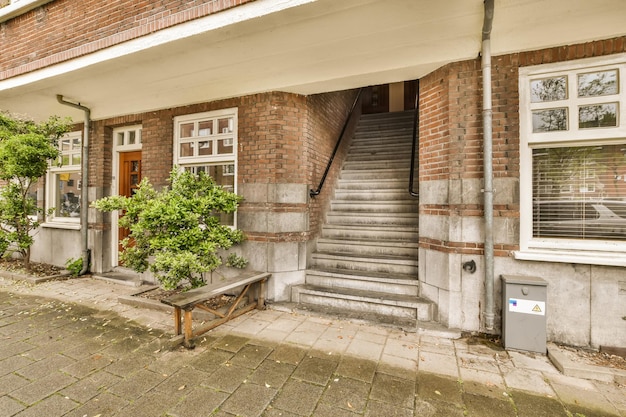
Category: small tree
<point>176,232</point>
<point>26,150</point>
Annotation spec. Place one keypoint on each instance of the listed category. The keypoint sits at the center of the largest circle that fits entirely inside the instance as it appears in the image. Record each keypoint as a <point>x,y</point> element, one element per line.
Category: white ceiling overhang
<point>300,46</point>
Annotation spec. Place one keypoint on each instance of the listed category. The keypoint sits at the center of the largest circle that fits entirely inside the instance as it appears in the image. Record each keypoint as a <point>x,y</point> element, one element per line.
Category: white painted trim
<point>115,185</point>
<point>208,23</point>
<point>17,8</point>
<point>572,257</point>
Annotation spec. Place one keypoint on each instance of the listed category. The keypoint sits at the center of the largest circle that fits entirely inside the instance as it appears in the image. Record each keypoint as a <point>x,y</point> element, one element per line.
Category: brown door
<point>130,177</point>
<point>376,99</point>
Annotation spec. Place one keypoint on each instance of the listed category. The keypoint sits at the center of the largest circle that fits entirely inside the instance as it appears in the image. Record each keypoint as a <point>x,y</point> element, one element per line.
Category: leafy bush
<point>176,232</point>
<point>26,151</point>
<point>74,266</point>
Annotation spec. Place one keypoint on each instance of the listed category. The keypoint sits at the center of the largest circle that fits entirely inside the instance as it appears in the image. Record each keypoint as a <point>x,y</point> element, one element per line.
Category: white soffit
<point>300,46</point>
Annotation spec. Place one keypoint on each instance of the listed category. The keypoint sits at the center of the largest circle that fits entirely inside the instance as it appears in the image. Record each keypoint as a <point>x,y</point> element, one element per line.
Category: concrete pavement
<point>69,348</point>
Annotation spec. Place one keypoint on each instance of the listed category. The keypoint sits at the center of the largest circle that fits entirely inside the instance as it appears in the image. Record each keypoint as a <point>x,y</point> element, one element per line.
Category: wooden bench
<point>195,298</point>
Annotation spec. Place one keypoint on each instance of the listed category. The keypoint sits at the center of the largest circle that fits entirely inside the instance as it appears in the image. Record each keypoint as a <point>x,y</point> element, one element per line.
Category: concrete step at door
<point>375,174</point>
<point>397,284</point>
<point>387,264</point>
<point>368,247</point>
<point>400,310</point>
<point>380,148</point>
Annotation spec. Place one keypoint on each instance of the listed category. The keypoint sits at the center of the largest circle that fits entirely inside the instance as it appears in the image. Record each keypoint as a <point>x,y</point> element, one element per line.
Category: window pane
<point>76,159</point>
<point>120,139</point>
<point>225,146</point>
<point>186,149</point>
<point>205,148</point>
<point>549,120</point>
<point>205,128</point>
<point>67,193</point>
<point>597,115</point>
<point>132,138</point>
<point>75,143</point>
<point>225,125</point>
<point>66,145</point>
<point>580,192</point>
<point>186,130</point>
<point>597,84</point>
<point>548,89</point>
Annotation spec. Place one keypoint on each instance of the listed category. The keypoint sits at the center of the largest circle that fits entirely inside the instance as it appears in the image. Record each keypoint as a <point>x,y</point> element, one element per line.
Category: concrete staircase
<point>365,265</point>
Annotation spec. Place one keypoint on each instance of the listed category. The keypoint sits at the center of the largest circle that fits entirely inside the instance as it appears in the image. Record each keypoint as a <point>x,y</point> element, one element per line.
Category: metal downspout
<point>488,164</point>
<point>84,196</point>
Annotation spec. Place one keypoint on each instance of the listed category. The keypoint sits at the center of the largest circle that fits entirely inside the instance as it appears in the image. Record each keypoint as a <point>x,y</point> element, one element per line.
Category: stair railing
<point>415,145</point>
<point>312,192</point>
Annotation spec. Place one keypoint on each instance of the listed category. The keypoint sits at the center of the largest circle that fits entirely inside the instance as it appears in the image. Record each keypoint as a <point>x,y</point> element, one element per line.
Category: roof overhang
<point>300,46</point>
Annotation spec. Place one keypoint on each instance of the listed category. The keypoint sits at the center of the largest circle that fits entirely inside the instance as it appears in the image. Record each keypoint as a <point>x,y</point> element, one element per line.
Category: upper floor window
<point>573,161</point>
<point>208,142</point>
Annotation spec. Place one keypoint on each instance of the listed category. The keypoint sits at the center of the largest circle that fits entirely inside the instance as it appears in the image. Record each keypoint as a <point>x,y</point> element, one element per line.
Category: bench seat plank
<point>190,298</point>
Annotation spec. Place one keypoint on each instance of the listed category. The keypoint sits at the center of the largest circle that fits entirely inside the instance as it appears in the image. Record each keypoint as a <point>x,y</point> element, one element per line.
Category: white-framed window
<point>64,183</point>
<point>208,142</point>
<point>573,161</point>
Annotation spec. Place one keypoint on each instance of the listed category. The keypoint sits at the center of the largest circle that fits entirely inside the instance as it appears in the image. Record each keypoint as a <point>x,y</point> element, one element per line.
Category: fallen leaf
<point>182,387</point>
<point>437,392</point>
<point>350,405</point>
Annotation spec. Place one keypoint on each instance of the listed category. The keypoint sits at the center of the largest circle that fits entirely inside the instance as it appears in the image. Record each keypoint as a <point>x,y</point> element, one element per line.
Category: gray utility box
<point>524,313</point>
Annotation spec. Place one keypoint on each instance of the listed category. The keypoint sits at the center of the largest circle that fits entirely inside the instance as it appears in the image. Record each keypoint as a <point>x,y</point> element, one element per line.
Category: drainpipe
<point>488,163</point>
<point>84,196</point>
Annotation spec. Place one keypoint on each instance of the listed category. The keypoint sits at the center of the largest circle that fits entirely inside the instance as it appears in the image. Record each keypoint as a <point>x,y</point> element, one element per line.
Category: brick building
<point>257,94</point>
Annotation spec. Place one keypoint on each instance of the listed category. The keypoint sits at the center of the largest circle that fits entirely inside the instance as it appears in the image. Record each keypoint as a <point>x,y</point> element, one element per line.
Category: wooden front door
<point>130,177</point>
<point>375,99</point>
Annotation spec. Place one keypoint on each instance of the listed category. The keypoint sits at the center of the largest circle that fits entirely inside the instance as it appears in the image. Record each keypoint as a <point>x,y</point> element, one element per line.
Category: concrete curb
<point>568,367</point>
<point>33,279</point>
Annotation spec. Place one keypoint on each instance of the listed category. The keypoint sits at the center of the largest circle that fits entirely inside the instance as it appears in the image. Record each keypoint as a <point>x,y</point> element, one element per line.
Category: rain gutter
<point>488,164</point>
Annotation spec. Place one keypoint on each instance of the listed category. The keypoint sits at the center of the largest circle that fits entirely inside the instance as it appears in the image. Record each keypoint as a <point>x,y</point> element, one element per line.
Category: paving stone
<point>537,406</point>
<point>275,412</point>
<point>357,368</point>
<point>137,384</point>
<point>53,406</point>
<point>84,367</point>
<point>9,406</point>
<point>479,406</point>
<point>149,405</point>
<point>397,391</point>
<point>365,349</point>
<point>298,397</point>
<point>379,409</point>
<point>104,404</point>
<point>249,400</point>
<point>198,401</point>
<point>184,379</point>
<point>346,393</point>
<point>250,356</point>
<point>211,360</point>
<point>440,388</point>
<point>272,373</point>
<point>591,402</point>
<point>231,343</point>
<point>288,354</point>
<point>129,365</point>
<point>11,382</point>
<point>315,370</point>
<point>45,366</point>
<point>227,377</point>
<point>15,348</point>
<point>43,387</point>
<point>87,388</point>
<point>326,410</point>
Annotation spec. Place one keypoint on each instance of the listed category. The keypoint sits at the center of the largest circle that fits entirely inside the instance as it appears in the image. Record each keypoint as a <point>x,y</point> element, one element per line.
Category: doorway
<point>129,179</point>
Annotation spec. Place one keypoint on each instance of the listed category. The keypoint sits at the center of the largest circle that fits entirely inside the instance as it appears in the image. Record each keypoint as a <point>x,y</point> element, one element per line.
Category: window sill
<point>17,8</point>
<point>572,257</point>
<point>61,225</point>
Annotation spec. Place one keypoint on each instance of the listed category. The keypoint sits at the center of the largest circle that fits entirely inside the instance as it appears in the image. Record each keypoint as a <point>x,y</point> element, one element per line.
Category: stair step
<point>359,281</point>
<point>387,233</point>
<point>372,184</point>
<point>388,307</point>
<point>367,247</point>
<point>375,174</point>
<point>404,206</point>
<point>369,165</point>
<point>372,219</point>
<point>373,194</point>
<point>388,264</point>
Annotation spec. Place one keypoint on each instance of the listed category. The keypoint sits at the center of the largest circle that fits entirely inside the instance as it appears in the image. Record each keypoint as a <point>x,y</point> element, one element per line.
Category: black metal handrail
<point>312,192</point>
<point>414,148</point>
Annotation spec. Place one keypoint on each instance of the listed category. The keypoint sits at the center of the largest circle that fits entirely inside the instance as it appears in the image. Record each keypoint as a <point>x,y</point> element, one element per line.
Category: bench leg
<point>177,321</point>
<point>261,295</point>
<point>188,329</point>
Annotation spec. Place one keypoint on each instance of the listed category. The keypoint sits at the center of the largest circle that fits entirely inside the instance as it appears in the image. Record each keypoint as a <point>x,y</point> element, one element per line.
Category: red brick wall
<point>282,139</point>
<point>65,29</point>
<point>451,127</point>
